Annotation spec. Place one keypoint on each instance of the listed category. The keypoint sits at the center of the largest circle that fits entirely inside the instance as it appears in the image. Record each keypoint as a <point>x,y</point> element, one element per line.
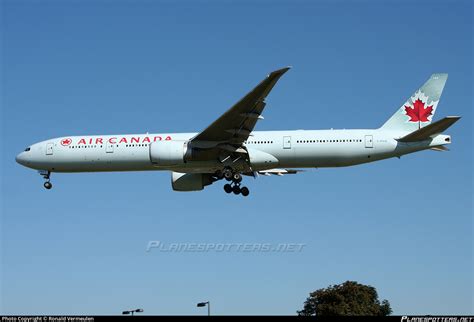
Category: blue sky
<point>102,67</point>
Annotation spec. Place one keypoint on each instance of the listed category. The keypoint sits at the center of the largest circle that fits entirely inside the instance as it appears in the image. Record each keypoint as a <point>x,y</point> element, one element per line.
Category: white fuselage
<point>287,149</point>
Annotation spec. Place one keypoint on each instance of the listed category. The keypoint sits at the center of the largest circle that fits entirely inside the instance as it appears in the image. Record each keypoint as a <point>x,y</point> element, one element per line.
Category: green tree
<point>348,298</point>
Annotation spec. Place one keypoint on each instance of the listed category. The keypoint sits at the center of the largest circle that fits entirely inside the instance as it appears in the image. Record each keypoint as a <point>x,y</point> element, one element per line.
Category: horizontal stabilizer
<point>440,148</point>
<point>428,131</point>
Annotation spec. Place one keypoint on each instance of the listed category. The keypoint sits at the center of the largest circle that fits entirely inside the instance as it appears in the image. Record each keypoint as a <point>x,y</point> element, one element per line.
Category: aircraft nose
<point>21,158</point>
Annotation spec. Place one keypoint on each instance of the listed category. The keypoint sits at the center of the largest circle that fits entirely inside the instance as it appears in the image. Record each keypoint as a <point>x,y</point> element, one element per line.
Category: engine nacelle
<point>260,160</point>
<point>189,181</point>
<point>168,153</point>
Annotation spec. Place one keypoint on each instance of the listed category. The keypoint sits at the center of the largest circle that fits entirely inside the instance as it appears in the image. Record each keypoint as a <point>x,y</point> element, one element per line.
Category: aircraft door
<point>287,142</point>
<point>109,147</point>
<point>369,141</point>
<point>49,149</point>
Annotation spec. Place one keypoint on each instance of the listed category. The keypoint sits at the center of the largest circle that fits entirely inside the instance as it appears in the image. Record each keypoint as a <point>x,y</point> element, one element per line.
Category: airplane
<point>229,148</point>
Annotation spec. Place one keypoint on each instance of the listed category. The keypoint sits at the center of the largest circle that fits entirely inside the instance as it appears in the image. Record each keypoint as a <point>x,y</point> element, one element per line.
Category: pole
<point>208,308</point>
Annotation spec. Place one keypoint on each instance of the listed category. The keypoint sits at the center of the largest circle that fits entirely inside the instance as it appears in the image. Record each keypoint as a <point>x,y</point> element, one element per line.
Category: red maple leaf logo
<point>66,141</point>
<point>419,113</point>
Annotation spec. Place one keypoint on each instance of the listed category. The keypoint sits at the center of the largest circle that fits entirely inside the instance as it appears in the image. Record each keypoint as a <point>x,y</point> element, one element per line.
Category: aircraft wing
<point>234,126</point>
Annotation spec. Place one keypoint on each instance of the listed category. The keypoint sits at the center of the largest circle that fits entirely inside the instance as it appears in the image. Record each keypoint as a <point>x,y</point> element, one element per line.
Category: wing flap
<point>279,172</point>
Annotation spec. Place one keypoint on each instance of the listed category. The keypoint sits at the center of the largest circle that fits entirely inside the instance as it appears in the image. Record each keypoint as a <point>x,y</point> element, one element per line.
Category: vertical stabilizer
<point>419,109</point>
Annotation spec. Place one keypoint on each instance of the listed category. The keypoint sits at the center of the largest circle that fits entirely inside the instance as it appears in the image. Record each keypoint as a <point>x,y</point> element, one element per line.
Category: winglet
<point>279,72</point>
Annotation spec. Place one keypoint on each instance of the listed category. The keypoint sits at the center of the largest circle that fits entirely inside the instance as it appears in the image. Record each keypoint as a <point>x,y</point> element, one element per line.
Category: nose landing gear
<point>46,175</point>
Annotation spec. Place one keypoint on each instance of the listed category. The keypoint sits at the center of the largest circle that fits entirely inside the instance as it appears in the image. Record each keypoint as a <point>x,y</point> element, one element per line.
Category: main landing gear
<point>46,175</point>
<point>234,187</point>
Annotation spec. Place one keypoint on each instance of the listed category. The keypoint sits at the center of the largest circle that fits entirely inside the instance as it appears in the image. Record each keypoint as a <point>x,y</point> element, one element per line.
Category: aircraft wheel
<point>236,190</point>
<point>228,175</point>
<point>237,177</point>
<point>245,191</point>
<point>48,185</point>
<point>228,188</point>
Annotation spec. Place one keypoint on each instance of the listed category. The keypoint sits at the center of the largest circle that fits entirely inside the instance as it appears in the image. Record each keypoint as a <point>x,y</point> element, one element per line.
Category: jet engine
<point>189,181</point>
<point>168,153</point>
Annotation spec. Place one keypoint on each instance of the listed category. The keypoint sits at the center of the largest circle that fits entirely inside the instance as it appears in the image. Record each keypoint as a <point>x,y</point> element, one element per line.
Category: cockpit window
<point>27,149</point>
